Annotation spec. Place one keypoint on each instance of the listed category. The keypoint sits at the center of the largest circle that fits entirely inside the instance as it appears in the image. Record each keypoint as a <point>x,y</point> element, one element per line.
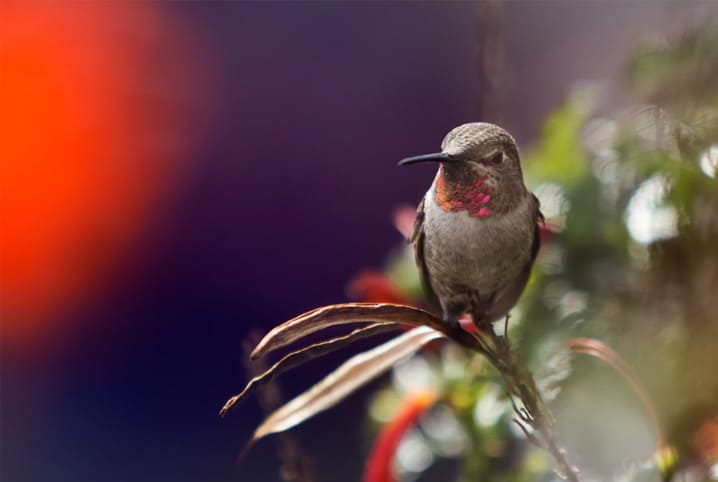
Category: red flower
<point>706,440</point>
<point>379,464</point>
<point>373,285</point>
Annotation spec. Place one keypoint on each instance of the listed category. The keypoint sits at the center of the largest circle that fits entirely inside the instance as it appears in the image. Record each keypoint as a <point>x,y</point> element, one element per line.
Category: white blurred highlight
<point>649,217</point>
<point>453,361</point>
<point>444,431</point>
<point>709,161</point>
<point>413,374</point>
<point>385,405</point>
<point>489,408</point>
<point>554,204</point>
<point>413,455</point>
<point>572,302</point>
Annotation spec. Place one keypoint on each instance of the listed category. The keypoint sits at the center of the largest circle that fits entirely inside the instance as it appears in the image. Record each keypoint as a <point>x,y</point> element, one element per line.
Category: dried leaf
<point>304,355</point>
<point>595,348</point>
<point>351,375</point>
<point>348,313</point>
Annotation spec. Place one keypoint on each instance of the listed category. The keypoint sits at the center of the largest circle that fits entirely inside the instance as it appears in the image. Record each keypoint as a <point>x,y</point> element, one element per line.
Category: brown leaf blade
<point>595,348</point>
<point>349,313</point>
<point>303,355</point>
<point>342,382</point>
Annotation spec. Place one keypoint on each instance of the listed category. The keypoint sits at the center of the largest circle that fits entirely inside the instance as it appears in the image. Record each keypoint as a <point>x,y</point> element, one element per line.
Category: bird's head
<point>477,159</point>
<point>484,148</point>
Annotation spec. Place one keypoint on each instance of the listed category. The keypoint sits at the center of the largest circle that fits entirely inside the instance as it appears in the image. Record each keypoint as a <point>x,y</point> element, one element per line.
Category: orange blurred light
<point>77,178</point>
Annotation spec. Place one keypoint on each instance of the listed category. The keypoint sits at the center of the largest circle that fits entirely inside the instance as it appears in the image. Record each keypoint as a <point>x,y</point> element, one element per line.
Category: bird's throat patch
<point>473,196</point>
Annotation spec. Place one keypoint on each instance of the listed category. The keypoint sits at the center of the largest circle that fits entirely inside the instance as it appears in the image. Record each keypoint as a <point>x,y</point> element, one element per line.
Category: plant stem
<point>294,466</point>
<point>534,416</point>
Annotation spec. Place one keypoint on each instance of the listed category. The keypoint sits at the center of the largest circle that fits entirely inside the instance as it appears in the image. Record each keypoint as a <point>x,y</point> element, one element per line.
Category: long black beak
<point>436,157</point>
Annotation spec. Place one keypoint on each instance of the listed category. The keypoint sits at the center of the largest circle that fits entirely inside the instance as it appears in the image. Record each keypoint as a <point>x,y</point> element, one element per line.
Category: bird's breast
<point>483,254</point>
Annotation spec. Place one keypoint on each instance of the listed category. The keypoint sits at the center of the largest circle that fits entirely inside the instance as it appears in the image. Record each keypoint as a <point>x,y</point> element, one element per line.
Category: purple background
<point>290,195</point>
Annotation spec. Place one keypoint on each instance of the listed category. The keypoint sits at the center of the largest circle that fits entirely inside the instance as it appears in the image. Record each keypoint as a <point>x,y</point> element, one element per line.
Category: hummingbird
<point>476,233</point>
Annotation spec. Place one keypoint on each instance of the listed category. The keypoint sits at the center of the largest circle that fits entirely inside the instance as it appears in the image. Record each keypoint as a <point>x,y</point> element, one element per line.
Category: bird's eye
<point>495,158</point>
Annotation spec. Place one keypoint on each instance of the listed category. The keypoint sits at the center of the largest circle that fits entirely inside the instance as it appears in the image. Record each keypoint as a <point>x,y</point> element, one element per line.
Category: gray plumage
<point>476,234</point>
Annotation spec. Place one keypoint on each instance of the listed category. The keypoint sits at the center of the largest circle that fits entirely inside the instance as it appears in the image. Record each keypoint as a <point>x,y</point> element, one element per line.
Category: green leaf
<point>558,156</point>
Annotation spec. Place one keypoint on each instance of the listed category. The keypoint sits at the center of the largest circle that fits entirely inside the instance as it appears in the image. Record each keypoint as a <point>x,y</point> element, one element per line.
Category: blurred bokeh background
<point>177,174</point>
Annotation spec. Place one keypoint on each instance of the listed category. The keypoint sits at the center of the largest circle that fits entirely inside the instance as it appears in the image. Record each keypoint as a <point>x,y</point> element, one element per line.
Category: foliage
<point>630,257</point>
<point>631,198</point>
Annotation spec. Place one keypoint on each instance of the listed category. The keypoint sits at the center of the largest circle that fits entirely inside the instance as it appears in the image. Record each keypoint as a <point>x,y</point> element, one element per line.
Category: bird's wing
<point>540,222</point>
<point>417,241</point>
<point>505,299</point>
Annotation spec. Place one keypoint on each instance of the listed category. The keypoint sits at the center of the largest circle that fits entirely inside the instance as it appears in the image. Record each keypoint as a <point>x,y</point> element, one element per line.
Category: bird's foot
<point>453,323</point>
<point>484,326</point>
<point>464,323</point>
